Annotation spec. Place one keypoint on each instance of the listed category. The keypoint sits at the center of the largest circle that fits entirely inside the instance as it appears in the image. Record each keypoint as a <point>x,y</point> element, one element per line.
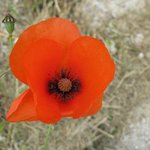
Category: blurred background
<point>123,123</point>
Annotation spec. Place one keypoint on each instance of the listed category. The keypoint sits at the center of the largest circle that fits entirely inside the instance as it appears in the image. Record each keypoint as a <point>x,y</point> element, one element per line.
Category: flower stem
<point>49,131</point>
<point>17,87</point>
<point>10,40</point>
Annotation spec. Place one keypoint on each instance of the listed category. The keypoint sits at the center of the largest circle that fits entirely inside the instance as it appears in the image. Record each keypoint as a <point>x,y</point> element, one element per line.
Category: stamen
<point>64,85</point>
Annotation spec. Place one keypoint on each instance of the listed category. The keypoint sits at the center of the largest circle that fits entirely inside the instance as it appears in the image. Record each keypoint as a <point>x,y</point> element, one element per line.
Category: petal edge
<point>22,108</point>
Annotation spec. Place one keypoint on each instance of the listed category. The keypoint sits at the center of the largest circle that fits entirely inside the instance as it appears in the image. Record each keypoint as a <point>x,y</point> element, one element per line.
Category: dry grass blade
<point>4,73</point>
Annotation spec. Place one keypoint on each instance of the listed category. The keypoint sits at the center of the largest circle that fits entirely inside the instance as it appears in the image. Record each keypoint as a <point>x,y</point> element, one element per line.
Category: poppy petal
<point>58,29</point>
<point>96,105</point>
<point>22,108</point>
<point>40,68</point>
<point>67,108</point>
<point>92,63</point>
<point>47,109</point>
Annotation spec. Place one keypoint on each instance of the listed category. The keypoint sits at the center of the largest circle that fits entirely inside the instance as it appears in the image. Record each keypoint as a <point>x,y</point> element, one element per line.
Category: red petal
<point>40,68</point>
<point>22,108</point>
<point>96,105</point>
<point>90,60</point>
<point>57,29</point>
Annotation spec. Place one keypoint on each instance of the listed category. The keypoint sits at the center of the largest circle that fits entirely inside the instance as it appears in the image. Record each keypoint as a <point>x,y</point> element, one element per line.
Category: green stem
<point>10,39</point>
<point>17,87</point>
<point>49,130</point>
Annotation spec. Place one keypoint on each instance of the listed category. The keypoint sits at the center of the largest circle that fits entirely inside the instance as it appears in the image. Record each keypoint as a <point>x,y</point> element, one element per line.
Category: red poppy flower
<point>66,73</point>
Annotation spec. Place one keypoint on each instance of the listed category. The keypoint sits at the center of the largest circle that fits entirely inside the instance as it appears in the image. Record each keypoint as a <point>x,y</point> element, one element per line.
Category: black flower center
<point>64,85</point>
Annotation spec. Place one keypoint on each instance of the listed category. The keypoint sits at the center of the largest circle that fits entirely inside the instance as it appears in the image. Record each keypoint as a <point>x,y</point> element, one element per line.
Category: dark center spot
<point>64,85</point>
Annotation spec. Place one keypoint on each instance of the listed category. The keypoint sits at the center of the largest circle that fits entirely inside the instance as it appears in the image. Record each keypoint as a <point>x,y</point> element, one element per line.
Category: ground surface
<point>123,122</point>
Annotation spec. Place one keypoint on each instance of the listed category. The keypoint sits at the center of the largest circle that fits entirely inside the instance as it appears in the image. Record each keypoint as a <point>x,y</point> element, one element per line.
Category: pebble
<point>141,55</point>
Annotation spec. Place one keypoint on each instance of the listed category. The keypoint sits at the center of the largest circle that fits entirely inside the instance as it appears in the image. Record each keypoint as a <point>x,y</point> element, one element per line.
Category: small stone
<point>141,55</point>
<point>139,38</point>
